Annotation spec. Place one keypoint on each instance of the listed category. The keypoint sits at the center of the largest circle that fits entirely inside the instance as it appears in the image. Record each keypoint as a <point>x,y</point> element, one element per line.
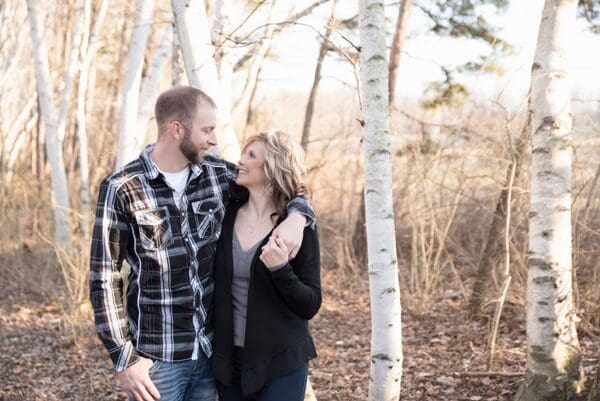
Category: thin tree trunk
<point>310,105</point>
<point>89,50</point>
<point>492,244</point>
<point>177,71</point>
<point>16,148</point>
<point>240,109</point>
<point>150,86</point>
<point>359,238</point>
<point>250,113</point>
<point>386,332</point>
<point>201,69</point>
<point>595,391</point>
<point>397,45</point>
<point>126,150</point>
<point>59,186</point>
<point>71,70</point>
<point>554,360</point>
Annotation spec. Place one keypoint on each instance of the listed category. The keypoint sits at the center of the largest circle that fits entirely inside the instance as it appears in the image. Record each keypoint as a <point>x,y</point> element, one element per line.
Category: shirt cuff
<point>127,357</point>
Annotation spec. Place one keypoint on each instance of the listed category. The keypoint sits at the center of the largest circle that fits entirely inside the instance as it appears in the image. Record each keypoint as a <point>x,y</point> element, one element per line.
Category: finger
<point>281,244</point>
<point>143,395</point>
<point>151,388</point>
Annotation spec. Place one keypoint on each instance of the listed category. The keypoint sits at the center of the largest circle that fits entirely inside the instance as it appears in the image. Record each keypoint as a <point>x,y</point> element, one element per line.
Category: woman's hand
<point>275,253</point>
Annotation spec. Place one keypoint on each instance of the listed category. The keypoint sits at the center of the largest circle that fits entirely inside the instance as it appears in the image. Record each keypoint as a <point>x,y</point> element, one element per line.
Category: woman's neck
<point>259,205</point>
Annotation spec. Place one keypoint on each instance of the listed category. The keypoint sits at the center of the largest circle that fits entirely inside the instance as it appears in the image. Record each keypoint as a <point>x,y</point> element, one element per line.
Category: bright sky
<point>518,25</point>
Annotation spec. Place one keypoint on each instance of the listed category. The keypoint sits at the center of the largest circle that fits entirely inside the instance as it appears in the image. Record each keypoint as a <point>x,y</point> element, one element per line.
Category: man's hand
<point>290,232</point>
<point>135,381</point>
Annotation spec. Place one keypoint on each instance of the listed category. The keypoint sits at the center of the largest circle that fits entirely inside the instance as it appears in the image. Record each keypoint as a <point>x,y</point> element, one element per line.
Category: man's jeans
<point>184,381</point>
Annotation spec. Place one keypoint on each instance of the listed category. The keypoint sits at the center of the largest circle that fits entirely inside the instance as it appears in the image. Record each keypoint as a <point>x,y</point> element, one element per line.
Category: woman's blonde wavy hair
<point>284,167</point>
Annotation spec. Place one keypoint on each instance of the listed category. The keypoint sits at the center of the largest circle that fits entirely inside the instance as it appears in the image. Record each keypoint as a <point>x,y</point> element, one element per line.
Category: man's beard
<point>187,147</point>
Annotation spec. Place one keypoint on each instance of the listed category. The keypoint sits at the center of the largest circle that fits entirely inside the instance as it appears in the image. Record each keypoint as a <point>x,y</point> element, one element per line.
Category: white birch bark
<point>126,150</point>
<point>150,87</point>
<point>177,72</point>
<point>59,187</point>
<point>71,69</point>
<point>198,56</point>
<point>88,51</point>
<point>553,353</point>
<point>386,334</point>
<point>196,46</point>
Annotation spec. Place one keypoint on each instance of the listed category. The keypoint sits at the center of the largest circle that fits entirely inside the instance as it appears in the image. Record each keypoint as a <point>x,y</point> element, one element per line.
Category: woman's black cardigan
<point>280,303</point>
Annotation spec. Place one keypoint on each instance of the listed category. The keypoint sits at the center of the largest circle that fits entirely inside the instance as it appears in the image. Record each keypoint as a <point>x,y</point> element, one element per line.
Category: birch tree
<point>198,52</point>
<point>128,140</point>
<point>554,360</point>
<point>89,48</point>
<point>58,177</point>
<point>386,333</point>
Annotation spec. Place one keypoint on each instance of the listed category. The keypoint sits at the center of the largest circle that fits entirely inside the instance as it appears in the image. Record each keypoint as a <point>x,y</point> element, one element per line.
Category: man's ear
<point>175,129</point>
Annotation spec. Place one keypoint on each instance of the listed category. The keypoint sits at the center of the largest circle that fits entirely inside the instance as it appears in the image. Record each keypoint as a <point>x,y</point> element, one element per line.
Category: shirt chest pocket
<point>155,228</point>
<point>208,215</point>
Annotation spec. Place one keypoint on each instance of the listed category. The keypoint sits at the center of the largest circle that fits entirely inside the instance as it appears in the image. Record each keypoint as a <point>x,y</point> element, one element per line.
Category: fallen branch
<point>480,374</point>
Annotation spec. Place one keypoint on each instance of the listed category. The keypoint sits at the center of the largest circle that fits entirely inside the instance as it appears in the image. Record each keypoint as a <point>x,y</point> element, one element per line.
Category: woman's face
<point>251,172</point>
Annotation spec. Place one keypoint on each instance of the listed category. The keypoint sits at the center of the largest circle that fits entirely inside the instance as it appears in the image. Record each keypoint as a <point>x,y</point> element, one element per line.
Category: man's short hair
<point>180,104</point>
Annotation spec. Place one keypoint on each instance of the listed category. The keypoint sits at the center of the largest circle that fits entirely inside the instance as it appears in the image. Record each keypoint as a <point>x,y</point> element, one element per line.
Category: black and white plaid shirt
<point>170,250</point>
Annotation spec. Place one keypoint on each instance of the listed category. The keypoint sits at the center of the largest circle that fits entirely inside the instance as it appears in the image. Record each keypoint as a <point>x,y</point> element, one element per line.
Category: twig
<point>486,374</point>
<point>506,273</point>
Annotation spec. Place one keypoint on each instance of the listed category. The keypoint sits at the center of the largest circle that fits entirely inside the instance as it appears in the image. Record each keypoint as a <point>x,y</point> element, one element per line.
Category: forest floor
<point>40,361</point>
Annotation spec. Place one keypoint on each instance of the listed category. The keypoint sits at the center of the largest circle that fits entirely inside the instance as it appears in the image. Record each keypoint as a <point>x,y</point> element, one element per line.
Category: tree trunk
<point>58,177</point>
<point>310,105</point>
<point>89,50</point>
<point>595,391</point>
<point>359,238</point>
<point>492,244</point>
<point>150,86</point>
<point>128,140</point>
<point>201,69</point>
<point>554,360</point>
<point>386,333</point>
<point>177,72</point>
<point>397,44</point>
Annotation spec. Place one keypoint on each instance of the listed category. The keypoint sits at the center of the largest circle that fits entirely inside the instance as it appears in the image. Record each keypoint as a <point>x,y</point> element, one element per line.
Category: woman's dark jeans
<point>289,387</point>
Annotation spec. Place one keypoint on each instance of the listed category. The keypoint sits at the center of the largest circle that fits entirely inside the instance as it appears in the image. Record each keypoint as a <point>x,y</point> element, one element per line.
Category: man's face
<point>200,136</point>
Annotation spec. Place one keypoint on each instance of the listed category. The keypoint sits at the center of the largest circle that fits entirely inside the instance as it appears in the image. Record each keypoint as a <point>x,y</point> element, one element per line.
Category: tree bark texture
<point>386,337</point>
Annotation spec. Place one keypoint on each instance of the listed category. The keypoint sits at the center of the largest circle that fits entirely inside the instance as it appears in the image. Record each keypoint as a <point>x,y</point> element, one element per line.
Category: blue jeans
<point>289,387</point>
<point>184,381</point>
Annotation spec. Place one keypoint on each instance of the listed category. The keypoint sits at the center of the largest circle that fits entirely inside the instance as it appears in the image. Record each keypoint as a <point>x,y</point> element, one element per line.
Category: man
<point>162,213</point>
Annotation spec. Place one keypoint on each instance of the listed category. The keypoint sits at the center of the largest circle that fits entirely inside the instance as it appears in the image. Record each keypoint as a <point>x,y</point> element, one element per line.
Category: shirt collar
<point>151,170</point>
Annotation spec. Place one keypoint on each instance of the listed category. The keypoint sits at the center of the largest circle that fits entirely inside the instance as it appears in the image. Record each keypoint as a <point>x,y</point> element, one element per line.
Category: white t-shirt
<point>177,181</point>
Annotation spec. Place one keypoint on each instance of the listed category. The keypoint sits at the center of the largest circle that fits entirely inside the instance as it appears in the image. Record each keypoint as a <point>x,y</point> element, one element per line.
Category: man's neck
<point>168,159</point>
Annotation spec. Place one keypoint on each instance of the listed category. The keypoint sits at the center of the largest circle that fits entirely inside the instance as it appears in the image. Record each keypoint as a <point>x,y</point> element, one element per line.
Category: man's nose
<point>212,139</point>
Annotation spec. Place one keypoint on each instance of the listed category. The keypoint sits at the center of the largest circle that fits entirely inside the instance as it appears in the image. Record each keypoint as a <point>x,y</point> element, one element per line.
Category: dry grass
<point>446,183</point>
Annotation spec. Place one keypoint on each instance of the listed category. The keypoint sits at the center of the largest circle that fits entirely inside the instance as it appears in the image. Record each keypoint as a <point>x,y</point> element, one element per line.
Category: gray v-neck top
<point>242,261</point>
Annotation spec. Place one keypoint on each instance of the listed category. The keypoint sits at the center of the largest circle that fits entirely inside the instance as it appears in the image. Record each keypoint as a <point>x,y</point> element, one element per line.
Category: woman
<point>263,300</point>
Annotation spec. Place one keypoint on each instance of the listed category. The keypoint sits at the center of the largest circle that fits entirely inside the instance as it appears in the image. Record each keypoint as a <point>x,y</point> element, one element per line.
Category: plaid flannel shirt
<point>170,250</point>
